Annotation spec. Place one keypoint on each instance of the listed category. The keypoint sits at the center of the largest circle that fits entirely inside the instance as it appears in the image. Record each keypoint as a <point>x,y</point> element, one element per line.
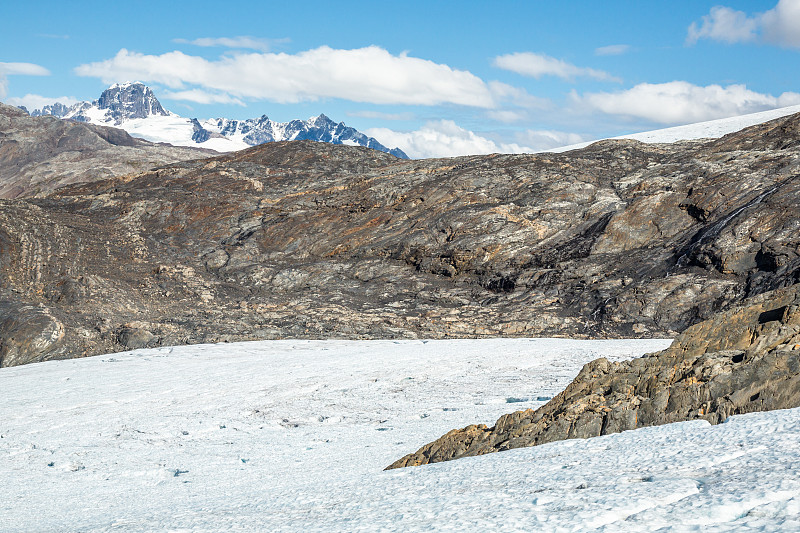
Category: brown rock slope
<point>40,154</point>
<point>741,361</point>
<point>306,239</point>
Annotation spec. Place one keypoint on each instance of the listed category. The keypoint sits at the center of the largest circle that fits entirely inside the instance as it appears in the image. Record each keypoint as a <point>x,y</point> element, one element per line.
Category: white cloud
<point>723,24</point>
<point>24,69</point>
<point>680,102</point>
<point>370,75</point>
<point>538,65</point>
<point>35,101</point>
<point>242,41</point>
<point>200,96</point>
<point>27,69</point>
<point>612,50</point>
<point>780,25</point>
<point>442,138</point>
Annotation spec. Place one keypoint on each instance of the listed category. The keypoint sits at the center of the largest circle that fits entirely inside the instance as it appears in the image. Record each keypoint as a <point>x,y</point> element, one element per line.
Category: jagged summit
<point>130,100</point>
<point>260,130</point>
<point>133,106</point>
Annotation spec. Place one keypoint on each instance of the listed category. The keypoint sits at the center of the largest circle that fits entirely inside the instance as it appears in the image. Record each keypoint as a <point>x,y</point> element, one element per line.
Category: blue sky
<point>436,78</point>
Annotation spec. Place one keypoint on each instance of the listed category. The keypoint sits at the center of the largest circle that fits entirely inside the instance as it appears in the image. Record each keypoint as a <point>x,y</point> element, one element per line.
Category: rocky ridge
<point>312,240</point>
<point>38,155</point>
<point>741,361</point>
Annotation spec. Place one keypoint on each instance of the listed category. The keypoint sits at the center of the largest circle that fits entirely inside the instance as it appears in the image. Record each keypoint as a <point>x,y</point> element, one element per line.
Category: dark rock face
<point>130,100</point>
<point>307,239</point>
<point>39,154</point>
<point>27,333</point>
<point>741,361</point>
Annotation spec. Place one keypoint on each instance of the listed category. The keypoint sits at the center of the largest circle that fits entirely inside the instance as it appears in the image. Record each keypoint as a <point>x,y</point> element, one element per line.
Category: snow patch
<point>711,129</point>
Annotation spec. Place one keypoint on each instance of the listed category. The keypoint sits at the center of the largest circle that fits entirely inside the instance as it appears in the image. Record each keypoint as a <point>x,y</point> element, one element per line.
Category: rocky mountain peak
<point>321,121</point>
<point>130,100</point>
<point>57,109</point>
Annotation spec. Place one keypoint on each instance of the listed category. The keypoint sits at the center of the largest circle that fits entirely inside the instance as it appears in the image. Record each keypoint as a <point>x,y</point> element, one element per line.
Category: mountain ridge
<point>304,239</point>
<point>133,106</point>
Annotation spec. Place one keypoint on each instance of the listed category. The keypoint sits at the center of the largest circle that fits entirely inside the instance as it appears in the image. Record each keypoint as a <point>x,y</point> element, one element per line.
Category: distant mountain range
<point>134,108</point>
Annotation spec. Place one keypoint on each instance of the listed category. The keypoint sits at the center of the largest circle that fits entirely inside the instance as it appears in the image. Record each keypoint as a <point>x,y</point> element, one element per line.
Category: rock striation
<point>741,361</point>
<point>40,154</point>
<point>314,240</point>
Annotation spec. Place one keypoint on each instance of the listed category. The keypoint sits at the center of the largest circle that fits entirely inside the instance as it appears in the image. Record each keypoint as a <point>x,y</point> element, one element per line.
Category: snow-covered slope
<point>293,436</point>
<point>701,130</point>
<point>133,107</point>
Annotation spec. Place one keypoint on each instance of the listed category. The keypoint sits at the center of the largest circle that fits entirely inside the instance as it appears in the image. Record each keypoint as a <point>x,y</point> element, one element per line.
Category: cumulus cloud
<point>612,50</point>
<point>442,138</point>
<point>25,69</point>
<point>370,75</point>
<point>36,101</point>
<point>723,24</point>
<point>242,41</point>
<point>680,102</point>
<point>538,65</point>
<point>780,25</point>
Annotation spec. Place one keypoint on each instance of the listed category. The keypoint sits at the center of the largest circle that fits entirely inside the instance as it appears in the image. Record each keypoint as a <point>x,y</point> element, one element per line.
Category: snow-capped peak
<point>129,101</point>
<point>133,106</point>
<point>125,85</point>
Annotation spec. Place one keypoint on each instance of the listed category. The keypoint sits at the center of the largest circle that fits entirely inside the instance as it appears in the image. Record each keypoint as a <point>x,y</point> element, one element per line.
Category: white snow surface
<point>293,436</point>
<point>711,129</point>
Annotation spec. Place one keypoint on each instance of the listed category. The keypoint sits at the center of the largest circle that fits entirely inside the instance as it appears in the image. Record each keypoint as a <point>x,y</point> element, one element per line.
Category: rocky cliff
<point>304,239</point>
<point>741,361</point>
<point>40,154</point>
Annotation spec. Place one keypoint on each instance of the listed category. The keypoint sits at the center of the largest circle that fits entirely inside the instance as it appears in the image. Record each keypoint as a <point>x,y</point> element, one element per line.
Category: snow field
<point>293,436</point>
<point>710,129</point>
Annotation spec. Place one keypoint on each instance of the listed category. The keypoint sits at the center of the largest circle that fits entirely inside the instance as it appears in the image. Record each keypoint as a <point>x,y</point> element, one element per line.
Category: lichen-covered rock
<point>28,333</point>
<point>40,154</point>
<point>741,361</point>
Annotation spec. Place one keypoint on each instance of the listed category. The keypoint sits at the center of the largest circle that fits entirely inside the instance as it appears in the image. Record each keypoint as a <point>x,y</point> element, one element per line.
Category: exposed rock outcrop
<point>28,333</point>
<point>741,361</point>
<point>306,239</point>
<point>40,154</point>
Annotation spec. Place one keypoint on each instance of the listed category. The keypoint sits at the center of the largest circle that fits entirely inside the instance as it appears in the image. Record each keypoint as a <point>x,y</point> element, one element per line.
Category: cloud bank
<point>445,138</point>
<point>442,138</point>
<point>680,102</point>
<point>369,75</point>
<point>780,26</point>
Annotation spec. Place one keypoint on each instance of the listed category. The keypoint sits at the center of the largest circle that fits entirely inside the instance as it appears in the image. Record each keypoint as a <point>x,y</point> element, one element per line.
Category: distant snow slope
<point>133,107</point>
<point>700,130</point>
<point>293,436</point>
